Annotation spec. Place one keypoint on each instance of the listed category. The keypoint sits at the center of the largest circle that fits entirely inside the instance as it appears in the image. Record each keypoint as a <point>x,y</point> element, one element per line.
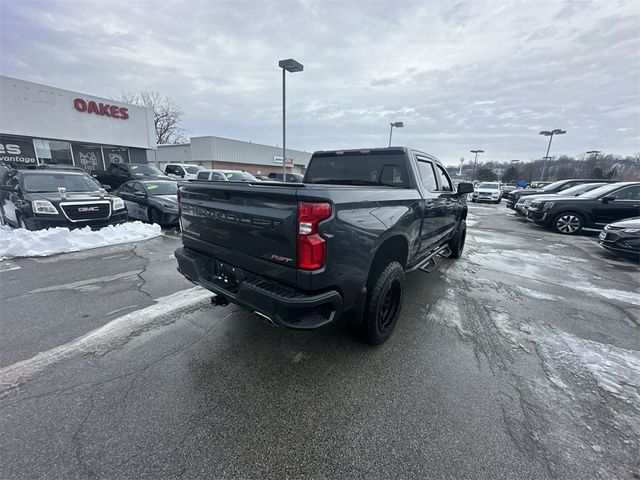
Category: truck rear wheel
<point>384,304</point>
<point>456,244</point>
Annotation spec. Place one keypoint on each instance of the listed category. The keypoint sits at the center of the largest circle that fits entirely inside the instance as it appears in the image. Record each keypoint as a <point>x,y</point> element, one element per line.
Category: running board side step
<point>429,263</point>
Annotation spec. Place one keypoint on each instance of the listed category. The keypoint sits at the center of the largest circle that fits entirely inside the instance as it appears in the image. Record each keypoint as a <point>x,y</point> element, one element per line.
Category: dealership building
<point>40,124</point>
<point>225,153</point>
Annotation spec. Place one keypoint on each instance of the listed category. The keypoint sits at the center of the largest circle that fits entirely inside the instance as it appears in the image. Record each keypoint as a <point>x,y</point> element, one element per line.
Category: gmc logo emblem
<point>88,209</point>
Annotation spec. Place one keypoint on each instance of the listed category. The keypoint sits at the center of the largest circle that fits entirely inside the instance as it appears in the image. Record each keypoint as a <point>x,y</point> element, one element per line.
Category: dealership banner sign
<point>17,151</point>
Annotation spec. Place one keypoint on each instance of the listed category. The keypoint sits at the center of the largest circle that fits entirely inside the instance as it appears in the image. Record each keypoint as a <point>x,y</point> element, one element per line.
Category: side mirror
<point>8,188</point>
<point>607,199</point>
<point>465,187</point>
<point>106,187</point>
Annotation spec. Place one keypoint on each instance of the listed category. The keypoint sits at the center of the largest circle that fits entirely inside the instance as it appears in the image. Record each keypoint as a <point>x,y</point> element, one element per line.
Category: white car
<point>487,192</point>
<point>182,170</point>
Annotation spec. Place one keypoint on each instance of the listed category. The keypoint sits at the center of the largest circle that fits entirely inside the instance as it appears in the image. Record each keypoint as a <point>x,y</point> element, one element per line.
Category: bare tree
<point>167,115</point>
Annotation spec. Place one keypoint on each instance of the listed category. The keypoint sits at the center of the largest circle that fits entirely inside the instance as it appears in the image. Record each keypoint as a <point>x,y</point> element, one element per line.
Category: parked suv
<point>487,192</point>
<point>522,206</point>
<point>119,173</point>
<point>181,170</point>
<point>594,209</point>
<point>555,187</point>
<point>37,199</point>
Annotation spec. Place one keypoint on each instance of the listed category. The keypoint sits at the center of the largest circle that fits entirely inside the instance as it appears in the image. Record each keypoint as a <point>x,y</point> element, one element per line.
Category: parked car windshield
<point>161,188</point>
<point>493,186</point>
<point>599,192</point>
<point>145,170</point>
<point>553,185</point>
<point>580,189</point>
<point>50,182</point>
<point>355,168</point>
<point>192,169</point>
<point>240,177</point>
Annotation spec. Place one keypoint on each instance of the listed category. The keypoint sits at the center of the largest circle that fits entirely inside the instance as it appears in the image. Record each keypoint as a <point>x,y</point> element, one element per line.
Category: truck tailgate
<point>249,219</point>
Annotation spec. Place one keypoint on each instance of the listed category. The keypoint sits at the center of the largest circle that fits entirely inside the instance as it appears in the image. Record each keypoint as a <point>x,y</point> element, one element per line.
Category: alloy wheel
<point>568,224</point>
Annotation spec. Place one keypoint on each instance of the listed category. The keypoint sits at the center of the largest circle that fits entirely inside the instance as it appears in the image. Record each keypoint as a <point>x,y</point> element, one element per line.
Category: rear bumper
<point>284,305</point>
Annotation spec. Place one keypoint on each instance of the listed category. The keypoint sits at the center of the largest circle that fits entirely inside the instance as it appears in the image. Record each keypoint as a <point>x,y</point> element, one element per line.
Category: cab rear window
<point>359,168</point>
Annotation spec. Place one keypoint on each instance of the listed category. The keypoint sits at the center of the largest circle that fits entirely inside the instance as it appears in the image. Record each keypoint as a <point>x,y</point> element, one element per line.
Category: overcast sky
<point>476,74</point>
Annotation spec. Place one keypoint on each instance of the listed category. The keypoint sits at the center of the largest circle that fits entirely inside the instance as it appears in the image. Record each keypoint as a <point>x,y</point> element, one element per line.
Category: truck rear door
<point>253,226</point>
<point>434,206</point>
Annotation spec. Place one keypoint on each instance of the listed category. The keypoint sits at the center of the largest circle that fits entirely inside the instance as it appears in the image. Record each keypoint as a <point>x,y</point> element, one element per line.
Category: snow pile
<point>42,243</point>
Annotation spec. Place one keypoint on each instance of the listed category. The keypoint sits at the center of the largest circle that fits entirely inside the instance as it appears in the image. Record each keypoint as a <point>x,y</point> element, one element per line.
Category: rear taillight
<point>312,250</point>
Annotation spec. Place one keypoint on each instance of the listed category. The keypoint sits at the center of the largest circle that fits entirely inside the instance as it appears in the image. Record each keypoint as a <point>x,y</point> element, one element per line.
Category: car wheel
<point>384,304</point>
<point>23,224</point>
<point>456,244</point>
<point>568,223</point>
<point>154,216</point>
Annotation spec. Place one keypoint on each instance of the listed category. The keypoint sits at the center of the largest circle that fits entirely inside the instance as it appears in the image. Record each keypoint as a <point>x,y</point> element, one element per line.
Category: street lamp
<point>550,134</point>
<point>594,153</point>
<point>288,65</point>
<point>397,125</point>
<point>475,162</point>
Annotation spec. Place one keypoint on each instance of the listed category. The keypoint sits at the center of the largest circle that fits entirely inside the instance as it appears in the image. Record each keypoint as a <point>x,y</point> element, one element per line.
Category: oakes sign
<point>104,109</point>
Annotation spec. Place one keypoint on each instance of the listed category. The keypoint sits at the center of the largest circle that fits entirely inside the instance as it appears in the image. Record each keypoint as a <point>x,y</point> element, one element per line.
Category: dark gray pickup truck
<point>339,244</point>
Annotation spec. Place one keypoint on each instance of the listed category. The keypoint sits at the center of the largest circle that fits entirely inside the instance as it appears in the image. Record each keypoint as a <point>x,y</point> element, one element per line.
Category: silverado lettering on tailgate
<point>231,217</point>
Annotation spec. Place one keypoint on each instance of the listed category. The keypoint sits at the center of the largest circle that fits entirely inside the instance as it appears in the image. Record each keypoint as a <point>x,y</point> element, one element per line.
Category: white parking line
<point>101,338</point>
<point>8,265</point>
<point>84,283</point>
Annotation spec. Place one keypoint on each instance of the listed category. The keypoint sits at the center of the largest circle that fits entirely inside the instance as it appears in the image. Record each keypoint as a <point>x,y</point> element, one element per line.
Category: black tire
<point>154,216</point>
<point>567,223</point>
<point>456,244</point>
<point>23,224</point>
<point>384,303</point>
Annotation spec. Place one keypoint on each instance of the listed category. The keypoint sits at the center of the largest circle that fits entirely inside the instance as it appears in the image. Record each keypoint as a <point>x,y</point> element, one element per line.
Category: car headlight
<point>631,230</point>
<point>43,207</point>
<point>118,203</point>
<point>548,205</point>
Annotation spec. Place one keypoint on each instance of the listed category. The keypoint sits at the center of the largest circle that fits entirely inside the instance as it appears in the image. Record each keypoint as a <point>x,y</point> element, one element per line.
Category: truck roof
<point>380,150</point>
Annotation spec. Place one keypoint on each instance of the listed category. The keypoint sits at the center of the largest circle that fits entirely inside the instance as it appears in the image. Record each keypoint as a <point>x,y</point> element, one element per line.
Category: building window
<point>87,157</point>
<point>115,155</point>
<point>53,151</point>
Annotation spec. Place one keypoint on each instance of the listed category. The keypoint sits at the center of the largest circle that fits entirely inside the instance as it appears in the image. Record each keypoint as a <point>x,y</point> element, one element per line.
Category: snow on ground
<point>42,243</point>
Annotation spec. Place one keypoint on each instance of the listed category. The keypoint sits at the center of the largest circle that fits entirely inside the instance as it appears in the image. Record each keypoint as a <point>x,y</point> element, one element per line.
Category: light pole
<point>475,162</point>
<point>288,65</point>
<point>594,153</point>
<point>397,125</point>
<point>550,134</point>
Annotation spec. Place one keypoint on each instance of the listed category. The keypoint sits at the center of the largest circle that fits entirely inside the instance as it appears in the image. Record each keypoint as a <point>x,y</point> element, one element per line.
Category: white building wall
<point>34,110</point>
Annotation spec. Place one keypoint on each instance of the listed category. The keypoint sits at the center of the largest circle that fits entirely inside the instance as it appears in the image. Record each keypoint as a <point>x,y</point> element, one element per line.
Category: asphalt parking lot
<point>520,360</point>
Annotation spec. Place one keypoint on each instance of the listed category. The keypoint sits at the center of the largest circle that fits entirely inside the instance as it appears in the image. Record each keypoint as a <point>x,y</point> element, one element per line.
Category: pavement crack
<point>142,272</point>
<point>86,470</point>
